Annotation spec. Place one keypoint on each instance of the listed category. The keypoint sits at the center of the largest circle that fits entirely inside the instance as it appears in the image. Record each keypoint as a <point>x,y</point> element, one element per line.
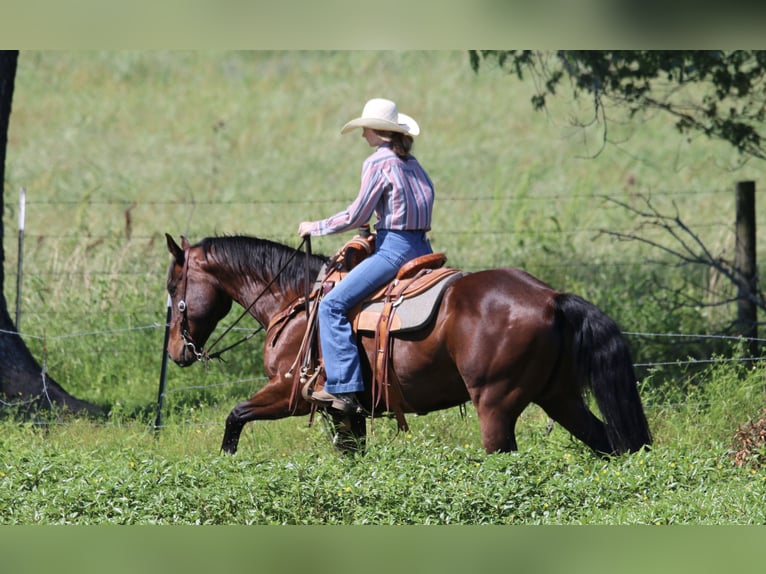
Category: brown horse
<point>501,339</point>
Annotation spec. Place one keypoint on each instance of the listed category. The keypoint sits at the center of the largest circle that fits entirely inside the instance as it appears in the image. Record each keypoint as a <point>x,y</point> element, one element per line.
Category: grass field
<point>436,474</point>
<point>116,148</point>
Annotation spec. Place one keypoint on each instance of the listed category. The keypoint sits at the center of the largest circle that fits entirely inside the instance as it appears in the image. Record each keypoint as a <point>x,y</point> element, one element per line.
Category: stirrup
<point>345,403</point>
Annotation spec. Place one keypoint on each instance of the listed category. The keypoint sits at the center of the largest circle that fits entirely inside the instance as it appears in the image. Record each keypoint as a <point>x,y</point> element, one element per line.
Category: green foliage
<point>437,474</point>
<point>727,103</point>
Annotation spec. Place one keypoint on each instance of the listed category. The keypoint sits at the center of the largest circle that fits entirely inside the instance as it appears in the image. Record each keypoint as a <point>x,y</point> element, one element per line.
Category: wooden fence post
<point>744,262</point>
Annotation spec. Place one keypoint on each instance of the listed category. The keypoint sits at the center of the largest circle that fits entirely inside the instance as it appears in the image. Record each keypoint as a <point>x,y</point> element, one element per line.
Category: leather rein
<point>183,308</point>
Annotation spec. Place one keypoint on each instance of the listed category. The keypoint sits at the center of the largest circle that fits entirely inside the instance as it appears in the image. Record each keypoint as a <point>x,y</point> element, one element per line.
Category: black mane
<point>263,258</point>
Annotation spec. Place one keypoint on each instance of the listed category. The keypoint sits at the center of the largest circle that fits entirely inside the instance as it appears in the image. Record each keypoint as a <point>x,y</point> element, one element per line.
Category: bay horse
<point>501,339</point>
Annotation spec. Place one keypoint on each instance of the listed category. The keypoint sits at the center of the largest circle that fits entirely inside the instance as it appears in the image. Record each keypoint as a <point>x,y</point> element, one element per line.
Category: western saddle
<point>407,303</point>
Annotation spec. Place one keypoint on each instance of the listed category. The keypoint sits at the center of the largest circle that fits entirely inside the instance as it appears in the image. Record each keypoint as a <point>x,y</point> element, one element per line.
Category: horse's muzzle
<point>184,357</point>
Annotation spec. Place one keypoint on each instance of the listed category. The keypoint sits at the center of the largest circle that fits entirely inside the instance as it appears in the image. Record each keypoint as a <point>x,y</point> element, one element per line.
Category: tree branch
<point>687,247</point>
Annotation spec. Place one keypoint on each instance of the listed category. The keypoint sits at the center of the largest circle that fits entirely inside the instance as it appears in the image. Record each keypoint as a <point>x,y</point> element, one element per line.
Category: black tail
<point>605,366</point>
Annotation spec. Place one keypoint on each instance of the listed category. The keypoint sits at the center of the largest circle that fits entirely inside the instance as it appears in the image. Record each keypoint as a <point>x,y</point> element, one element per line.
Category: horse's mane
<point>262,258</point>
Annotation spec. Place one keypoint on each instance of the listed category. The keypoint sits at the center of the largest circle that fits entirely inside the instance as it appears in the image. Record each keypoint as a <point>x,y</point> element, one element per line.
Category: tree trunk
<point>22,381</point>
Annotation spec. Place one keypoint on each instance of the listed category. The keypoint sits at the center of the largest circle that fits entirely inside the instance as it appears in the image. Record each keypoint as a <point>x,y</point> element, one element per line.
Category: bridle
<point>183,308</point>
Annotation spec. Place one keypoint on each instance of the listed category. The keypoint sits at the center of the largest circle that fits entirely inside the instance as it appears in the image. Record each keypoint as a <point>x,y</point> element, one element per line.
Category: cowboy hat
<point>380,114</point>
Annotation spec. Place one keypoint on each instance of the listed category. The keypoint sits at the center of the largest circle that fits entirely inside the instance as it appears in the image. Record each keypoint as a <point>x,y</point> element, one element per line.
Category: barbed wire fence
<point>240,381</point>
<point>250,381</point>
<point>159,326</point>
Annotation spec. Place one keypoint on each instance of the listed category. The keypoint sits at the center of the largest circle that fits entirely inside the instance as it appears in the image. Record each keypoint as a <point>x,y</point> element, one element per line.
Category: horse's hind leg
<point>573,414</point>
<point>498,412</point>
<point>498,432</point>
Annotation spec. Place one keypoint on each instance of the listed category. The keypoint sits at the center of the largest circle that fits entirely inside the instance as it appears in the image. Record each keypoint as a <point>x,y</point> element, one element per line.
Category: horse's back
<point>491,319</point>
<point>506,291</point>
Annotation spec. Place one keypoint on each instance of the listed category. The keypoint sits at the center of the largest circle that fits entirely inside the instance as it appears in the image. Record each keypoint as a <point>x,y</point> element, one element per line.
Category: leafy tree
<point>22,382</point>
<point>717,93</point>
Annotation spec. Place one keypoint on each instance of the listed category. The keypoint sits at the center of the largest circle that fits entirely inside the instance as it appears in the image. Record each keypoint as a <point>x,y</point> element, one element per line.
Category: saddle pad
<point>412,313</point>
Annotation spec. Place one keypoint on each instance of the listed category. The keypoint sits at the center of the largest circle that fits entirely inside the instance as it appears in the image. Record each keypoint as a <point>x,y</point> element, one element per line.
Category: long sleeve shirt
<point>399,192</point>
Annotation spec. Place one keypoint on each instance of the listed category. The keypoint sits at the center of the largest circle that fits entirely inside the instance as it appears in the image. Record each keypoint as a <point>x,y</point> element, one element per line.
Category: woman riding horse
<point>398,190</point>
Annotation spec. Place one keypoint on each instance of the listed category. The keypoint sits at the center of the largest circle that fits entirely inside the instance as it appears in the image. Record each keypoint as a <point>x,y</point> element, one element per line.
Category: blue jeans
<point>339,346</point>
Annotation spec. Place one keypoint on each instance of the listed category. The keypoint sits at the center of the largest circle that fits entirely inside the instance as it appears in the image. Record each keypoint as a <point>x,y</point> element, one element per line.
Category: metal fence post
<point>163,371</point>
<point>20,262</point>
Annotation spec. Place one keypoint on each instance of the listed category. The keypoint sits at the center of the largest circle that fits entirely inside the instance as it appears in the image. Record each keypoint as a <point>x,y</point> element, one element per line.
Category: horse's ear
<point>185,243</point>
<point>174,249</point>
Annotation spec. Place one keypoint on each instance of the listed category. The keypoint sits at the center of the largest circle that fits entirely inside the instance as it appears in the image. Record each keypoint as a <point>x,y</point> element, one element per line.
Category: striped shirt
<point>399,192</point>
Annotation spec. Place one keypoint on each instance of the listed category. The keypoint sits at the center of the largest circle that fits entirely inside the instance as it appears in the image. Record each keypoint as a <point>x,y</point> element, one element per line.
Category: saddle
<point>409,302</point>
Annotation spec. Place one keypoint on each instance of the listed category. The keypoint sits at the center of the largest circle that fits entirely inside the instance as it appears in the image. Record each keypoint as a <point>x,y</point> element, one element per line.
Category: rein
<point>183,309</point>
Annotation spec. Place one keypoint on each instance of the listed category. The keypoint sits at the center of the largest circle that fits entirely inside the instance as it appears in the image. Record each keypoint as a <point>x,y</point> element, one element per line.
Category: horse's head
<point>197,302</point>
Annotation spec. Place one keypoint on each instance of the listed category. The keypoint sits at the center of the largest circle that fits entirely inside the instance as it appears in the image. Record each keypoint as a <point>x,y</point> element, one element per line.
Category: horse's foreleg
<point>270,403</point>
<point>231,433</point>
<point>350,432</point>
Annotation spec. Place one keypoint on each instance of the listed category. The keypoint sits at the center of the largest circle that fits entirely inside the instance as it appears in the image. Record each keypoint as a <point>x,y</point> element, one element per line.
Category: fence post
<point>20,258</point>
<point>163,371</point>
<point>744,262</point>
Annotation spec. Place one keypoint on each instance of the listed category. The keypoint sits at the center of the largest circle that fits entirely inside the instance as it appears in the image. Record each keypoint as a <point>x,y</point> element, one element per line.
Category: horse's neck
<point>263,301</point>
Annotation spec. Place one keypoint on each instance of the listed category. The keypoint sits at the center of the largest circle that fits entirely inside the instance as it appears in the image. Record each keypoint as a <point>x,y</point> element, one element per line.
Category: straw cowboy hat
<point>380,114</point>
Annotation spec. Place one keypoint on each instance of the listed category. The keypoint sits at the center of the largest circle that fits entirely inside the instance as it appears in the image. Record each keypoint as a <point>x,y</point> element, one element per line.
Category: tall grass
<point>116,148</point>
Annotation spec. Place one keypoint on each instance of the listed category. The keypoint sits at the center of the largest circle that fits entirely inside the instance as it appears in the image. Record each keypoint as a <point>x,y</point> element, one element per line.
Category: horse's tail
<point>604,366</point>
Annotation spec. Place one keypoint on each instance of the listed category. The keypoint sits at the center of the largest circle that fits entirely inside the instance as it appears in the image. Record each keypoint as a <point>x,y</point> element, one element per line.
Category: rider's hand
<point>304,229</point>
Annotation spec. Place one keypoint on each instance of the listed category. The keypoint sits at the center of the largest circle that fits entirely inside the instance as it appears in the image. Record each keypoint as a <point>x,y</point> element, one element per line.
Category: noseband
<point>186,336</point>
